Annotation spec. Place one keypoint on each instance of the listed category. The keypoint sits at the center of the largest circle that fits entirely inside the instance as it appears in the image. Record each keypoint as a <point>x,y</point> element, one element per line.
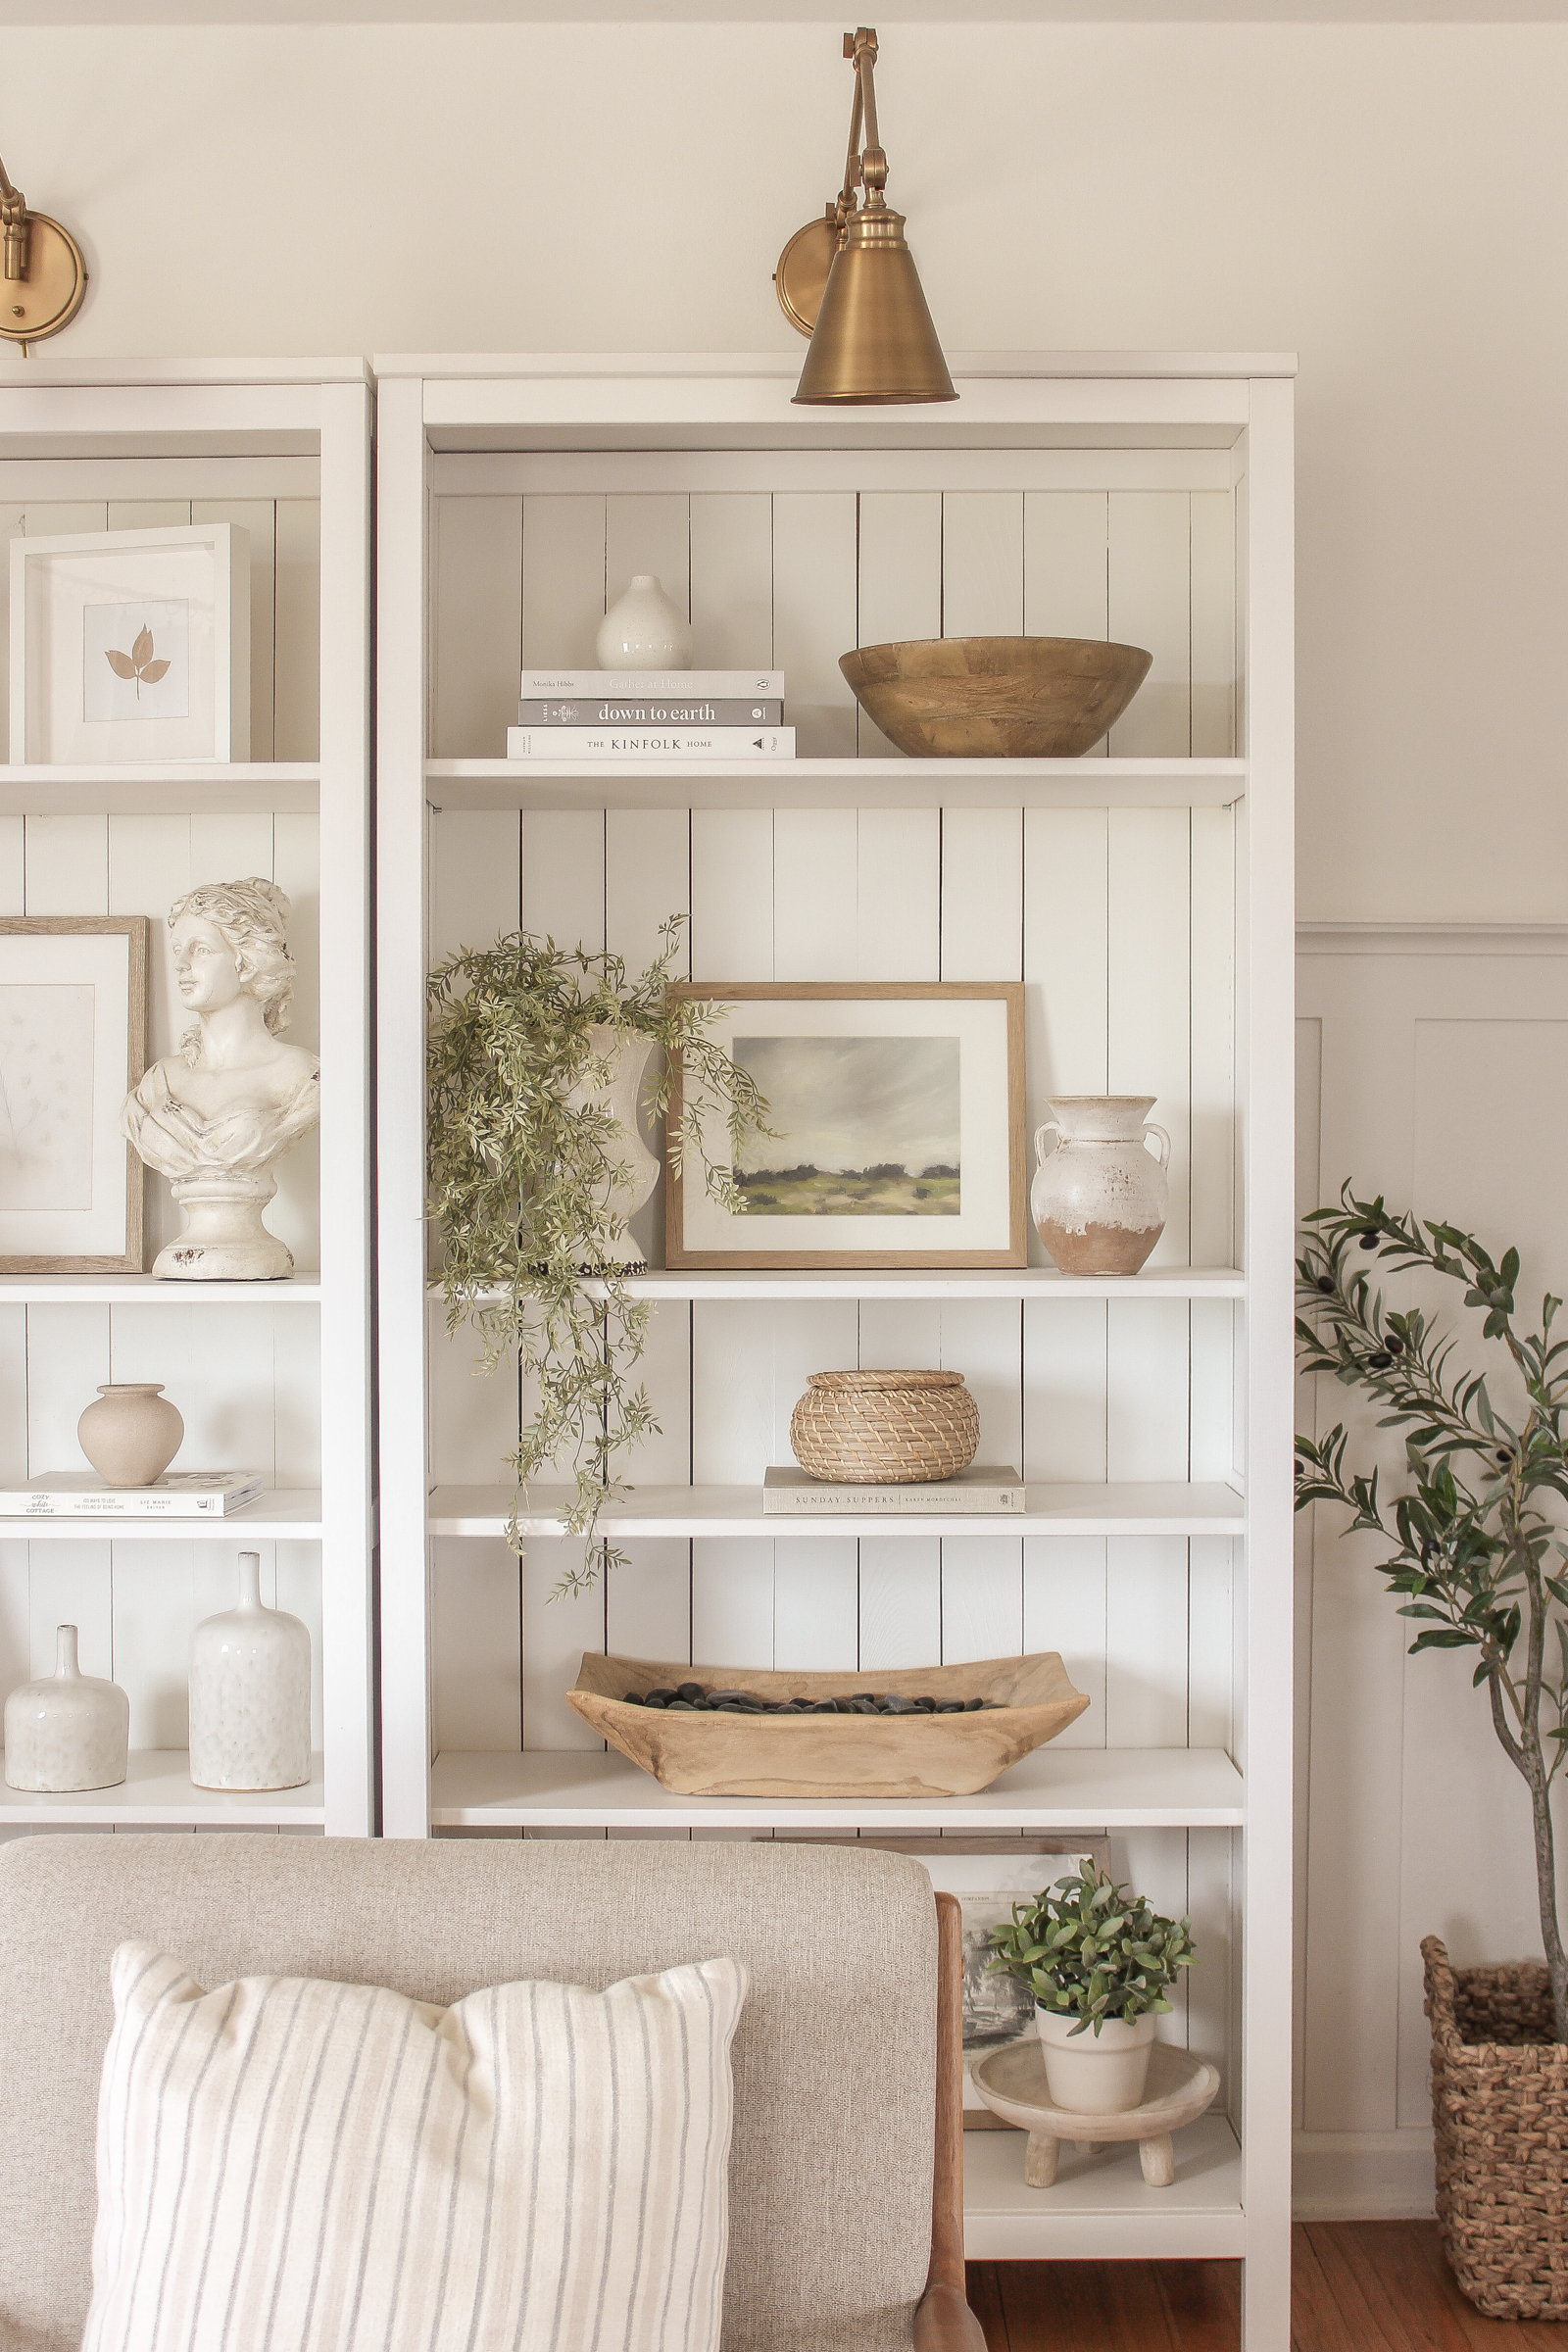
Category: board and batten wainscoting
<point>1432,1065</point>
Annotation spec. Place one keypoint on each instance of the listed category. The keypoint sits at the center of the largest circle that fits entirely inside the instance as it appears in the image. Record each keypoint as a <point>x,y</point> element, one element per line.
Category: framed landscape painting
<point>897,1114</point>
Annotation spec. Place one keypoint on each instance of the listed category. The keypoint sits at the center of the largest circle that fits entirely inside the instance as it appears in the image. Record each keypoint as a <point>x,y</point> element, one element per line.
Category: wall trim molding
<point>1431,939</point>
<point>1363,2176</point>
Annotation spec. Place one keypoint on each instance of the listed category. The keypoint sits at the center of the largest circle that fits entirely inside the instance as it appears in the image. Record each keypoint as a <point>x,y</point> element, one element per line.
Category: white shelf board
<point>1122,1508</point>
<point>1101,2208</point>
<point>279,1518</point>
<point>934,1282</point>
<point>1087,783</point>
<point>147,1290</point>
<point>1055,1788</point>
<point>151,789</point>
<point>158,1790</point>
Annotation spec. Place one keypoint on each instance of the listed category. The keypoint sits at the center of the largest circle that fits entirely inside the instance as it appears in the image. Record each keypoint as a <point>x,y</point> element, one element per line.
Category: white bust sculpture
<point>214,1116</point>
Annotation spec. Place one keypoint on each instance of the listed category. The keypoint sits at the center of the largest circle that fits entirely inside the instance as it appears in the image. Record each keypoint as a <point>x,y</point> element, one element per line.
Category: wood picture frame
<point>100,1017</point>
<point>971,1057</point>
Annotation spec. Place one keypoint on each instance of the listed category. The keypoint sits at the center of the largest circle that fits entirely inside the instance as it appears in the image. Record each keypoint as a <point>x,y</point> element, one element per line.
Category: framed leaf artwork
<point>131,645</point>
<point>73,1046</point>
<point>896,1118</point>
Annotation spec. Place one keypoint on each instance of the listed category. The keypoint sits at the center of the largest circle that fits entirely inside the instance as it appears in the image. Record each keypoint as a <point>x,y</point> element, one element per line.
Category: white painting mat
<point>64,1015</point>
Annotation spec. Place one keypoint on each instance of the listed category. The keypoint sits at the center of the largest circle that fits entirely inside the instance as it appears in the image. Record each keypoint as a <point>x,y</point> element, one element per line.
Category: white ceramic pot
<point>1099,1200</point>
<point>250,1693</point>
<point>131,1434</point>
<point>620,1099</point>
<point>1092,2074</point>
<point>645,629</point>
<point>69,1729</point>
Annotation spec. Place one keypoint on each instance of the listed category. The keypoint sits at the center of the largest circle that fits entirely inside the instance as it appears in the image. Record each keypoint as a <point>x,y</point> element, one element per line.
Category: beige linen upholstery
<point>835,2059</point>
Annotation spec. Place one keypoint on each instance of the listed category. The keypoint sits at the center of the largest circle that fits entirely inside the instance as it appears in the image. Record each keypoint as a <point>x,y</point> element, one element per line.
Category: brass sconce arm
<point>871,165</point>
<point>45,276</point>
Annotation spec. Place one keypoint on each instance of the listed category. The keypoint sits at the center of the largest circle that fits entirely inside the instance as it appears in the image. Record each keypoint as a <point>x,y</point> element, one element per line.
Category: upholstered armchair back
<point>835,2061</point>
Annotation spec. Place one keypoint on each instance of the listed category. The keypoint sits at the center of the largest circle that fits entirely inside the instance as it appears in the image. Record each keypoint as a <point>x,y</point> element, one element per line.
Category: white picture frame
<point>73,1046</point>
<point>130,647</point>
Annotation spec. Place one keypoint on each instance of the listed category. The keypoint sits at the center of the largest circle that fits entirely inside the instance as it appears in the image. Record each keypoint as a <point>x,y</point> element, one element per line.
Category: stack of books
<point>178,1494</point>
<point>732,715</point>
<point>985,1486</point>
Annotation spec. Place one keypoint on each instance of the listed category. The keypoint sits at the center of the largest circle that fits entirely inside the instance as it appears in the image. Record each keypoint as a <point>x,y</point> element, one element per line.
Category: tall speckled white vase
<point>69,1729</point>
<point>250,1693</point>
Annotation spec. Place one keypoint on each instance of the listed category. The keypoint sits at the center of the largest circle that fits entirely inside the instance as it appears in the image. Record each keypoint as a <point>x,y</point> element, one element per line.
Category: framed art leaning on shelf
<point>72,1044</point>
<point>896,1128</point>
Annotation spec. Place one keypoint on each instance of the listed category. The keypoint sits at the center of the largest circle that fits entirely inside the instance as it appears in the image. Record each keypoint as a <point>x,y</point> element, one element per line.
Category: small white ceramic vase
<point>1092,2074</point>
<point>250,1693</point>
<point>225,1239</point>
<point>620,1099</point>
<point>131,1434</point>
<point>69,1729</point>
<point>645,629</point>
<point>1099,1200</point>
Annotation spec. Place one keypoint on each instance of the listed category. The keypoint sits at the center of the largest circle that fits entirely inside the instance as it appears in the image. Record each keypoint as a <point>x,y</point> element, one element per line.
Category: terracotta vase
<point>620,1099</point>
<point>1099,1200</point>
<point>645,629</point>
<point>69,1729</point>
<point>250,1693</point>
<point>132,1433</point>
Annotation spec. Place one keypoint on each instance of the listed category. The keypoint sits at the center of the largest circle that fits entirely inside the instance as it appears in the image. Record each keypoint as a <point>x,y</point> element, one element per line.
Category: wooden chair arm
<point>944,2323</point>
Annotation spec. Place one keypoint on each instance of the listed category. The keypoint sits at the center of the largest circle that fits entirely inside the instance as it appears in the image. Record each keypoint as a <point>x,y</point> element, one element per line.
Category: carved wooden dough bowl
<point>996,698</point>
<point>831,1756</point>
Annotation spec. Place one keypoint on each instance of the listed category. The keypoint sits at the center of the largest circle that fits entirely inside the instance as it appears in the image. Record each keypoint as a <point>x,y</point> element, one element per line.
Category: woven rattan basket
<point>1500,2116</point>
<point>885,1429</point>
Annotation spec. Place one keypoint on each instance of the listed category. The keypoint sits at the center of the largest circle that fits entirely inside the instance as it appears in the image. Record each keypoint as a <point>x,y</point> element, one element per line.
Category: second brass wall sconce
<point>44,277</point>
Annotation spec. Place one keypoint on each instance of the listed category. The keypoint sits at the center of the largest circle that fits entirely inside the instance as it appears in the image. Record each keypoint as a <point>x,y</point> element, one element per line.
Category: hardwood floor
<point>1356,2286</point>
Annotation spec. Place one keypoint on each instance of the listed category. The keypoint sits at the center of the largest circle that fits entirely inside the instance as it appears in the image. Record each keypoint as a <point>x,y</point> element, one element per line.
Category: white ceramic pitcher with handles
<point>1100,1199</point>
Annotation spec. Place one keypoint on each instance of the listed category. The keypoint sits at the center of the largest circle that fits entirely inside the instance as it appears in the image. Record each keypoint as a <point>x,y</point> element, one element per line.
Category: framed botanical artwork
<point>73,1046</point>
<point>131,645</point>
<point>989,1875</point>
<point>898,1118</point>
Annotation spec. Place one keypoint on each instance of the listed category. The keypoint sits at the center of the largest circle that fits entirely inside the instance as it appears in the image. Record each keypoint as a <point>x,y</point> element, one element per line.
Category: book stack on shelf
<point>982,1487</point>
<point>178,1494</point>
<point>732,715</point>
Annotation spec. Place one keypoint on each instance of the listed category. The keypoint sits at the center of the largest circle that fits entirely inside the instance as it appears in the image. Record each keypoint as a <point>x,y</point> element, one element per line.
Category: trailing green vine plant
<point>524,1162</point>
<point>1475,1559</point>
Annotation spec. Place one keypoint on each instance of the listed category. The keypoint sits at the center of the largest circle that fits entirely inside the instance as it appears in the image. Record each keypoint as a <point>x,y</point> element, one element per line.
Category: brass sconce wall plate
<point>44,276</point>
<point>802,273</point>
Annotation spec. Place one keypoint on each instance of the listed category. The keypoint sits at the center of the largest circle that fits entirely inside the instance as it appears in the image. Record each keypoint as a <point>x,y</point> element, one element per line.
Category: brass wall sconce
<point>849,280</point>
<point>45,276</point>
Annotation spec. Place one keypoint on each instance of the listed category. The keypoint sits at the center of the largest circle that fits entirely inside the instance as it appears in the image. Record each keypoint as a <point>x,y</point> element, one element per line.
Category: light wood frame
<point>943,2320</point>
<point>134,929</point>
<point>1009,993</point>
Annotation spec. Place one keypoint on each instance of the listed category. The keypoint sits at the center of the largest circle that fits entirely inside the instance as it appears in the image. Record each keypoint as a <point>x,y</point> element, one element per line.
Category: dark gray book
<point>597,711</point>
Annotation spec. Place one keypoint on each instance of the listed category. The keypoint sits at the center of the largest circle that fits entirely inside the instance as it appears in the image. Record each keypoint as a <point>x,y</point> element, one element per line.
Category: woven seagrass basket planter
<point>1500,2117</point>
<point>885,1429</point>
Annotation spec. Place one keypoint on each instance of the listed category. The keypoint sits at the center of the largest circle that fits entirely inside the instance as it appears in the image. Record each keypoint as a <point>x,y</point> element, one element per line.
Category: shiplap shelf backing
<point>269,1375</point>
<point>1119,889</point>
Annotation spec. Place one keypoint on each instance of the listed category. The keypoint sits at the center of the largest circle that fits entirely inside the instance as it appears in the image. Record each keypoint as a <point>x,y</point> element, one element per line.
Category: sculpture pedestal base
<point>225,1239</point>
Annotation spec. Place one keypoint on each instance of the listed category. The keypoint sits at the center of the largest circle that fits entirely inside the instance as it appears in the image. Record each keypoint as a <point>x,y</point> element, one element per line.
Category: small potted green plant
<point>1100,1961</point>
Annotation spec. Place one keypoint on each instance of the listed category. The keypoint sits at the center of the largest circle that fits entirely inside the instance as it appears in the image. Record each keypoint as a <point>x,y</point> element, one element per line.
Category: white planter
<point>132,1432</point>
<point>250,1693</point>
<point>1099,1200</point>
<point>645,629</point>
<point>619,1098</point>
<point>1094,2074</point>
<point>69,1729</point>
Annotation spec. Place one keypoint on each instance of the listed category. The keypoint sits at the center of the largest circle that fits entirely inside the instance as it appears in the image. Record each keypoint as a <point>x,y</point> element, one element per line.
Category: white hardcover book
<point>986,1487</point>
<point>178,1494</point>
<point>650,742</point>
<point>765,685</point>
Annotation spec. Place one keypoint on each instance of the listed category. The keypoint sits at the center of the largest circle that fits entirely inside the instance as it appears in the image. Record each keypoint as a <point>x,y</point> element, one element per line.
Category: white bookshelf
<point>270,1375</point>
<point>1144,897</point>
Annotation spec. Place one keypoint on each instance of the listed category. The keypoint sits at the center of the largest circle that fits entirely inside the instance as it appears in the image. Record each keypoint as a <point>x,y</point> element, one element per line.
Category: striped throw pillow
<point>291,2165</point>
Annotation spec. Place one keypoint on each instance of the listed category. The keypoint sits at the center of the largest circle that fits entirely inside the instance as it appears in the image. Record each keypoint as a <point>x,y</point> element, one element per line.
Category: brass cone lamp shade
<point>874,339</point>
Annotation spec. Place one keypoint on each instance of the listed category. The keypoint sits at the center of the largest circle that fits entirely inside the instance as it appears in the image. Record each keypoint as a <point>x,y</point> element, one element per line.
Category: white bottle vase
<point>69,1729</point>
<point>645,629</point>
<point>1099,1200</point>
<point>250,1693</point>
<point>620,1099</point>
<point>131,1434</point>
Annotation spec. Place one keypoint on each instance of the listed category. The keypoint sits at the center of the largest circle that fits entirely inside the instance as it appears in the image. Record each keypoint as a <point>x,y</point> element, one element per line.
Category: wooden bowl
<point>996,698</point>
<point>830,1755</point>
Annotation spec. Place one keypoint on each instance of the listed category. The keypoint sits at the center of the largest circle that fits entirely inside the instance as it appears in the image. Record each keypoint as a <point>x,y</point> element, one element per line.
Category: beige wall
<point>1389,201</point>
